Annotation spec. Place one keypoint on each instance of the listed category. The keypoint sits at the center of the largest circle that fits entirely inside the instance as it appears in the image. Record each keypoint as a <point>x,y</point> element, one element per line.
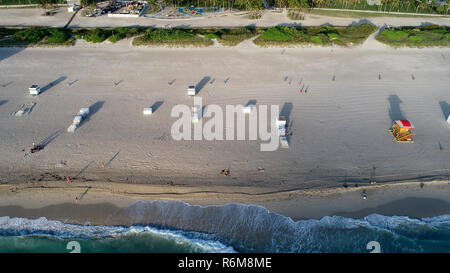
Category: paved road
<point>32,17</point>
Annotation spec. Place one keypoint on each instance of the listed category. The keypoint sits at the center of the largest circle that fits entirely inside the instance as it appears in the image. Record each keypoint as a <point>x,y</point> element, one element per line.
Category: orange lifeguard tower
<point>401,130</point>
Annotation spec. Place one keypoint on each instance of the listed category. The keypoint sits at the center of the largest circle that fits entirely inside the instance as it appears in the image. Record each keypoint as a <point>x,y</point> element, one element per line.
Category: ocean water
<point>173,226</point>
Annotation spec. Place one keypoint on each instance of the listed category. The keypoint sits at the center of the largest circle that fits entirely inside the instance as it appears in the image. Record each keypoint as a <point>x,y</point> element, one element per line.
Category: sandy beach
<point>118,156</point>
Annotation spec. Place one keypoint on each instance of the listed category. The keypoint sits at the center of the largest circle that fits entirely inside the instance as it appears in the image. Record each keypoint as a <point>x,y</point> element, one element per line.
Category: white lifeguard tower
<point>77,118</point>
<point>191,90</point>
<point>281,125</point>
<point>34,90</point>
<point>248,109</point>
<point>148,111</point>
<point>284,142</point>
<point>195,114</point>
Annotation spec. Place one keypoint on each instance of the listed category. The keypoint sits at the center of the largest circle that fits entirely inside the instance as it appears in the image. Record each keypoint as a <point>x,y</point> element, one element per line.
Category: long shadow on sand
<point>395,112</point>
<point>202,84</point>
<point>156,105</point>
<point>82,170</point>
<point>251,102</point>
<point>53,83</point>
<point>8,52</point>
<point>6,84</point>
<point>445,109</point>
<point>50,138</point>
<point>94,108</point>
<point>286,111</point>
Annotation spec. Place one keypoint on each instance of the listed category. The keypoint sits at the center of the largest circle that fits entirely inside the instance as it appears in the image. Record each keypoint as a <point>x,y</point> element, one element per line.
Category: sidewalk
<point>33,17</point>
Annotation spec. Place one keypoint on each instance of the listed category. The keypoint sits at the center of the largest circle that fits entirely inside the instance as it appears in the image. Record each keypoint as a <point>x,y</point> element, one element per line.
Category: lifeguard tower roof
<point>403,123</point>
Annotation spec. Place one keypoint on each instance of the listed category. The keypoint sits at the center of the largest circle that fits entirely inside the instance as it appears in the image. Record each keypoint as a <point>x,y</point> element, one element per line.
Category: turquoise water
<point>227,228</point>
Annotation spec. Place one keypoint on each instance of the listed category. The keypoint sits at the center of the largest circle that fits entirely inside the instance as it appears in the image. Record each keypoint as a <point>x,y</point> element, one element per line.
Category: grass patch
<point>430,35</point>
<point>171,37</point>
<point>322,35</point>
<point>230,37</point>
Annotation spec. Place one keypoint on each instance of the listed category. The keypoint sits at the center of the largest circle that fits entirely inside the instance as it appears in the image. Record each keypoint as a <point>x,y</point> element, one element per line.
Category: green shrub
<point>229,37</point>
<point>32,35</point>
<point>96,35</point>
<point>171,37</point>
<point>447,35</point>
<point>7,31</point>
<point>58,36</point>
<point>120,33</point>
<point>333,35</point>
<point>277,34</point>
<point>316,39</point>
<point>415,38</point>
<point>115,38</point>
<point>394,34</point>
<point>430,35</point>
<point>212,36</point>
<point>323,35</point>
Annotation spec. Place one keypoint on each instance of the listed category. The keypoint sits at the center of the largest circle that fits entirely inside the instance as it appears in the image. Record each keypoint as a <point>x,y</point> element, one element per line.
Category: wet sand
<point>107,203</point>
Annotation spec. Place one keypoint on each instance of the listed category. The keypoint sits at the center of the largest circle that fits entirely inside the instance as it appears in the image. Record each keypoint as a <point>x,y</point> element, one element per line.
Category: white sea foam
<point>42,226</point>
<point>251,228</point>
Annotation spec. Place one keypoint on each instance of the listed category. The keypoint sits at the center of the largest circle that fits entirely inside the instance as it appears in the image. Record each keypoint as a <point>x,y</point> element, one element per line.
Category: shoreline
<point>102,203</point>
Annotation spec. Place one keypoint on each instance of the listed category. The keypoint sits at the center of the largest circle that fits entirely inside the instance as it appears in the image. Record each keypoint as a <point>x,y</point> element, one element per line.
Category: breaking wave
<point>174,226</point>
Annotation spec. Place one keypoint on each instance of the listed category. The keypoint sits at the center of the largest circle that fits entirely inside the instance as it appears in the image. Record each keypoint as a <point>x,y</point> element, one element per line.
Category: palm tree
<point>420,4</point>
<point>394,3</point>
